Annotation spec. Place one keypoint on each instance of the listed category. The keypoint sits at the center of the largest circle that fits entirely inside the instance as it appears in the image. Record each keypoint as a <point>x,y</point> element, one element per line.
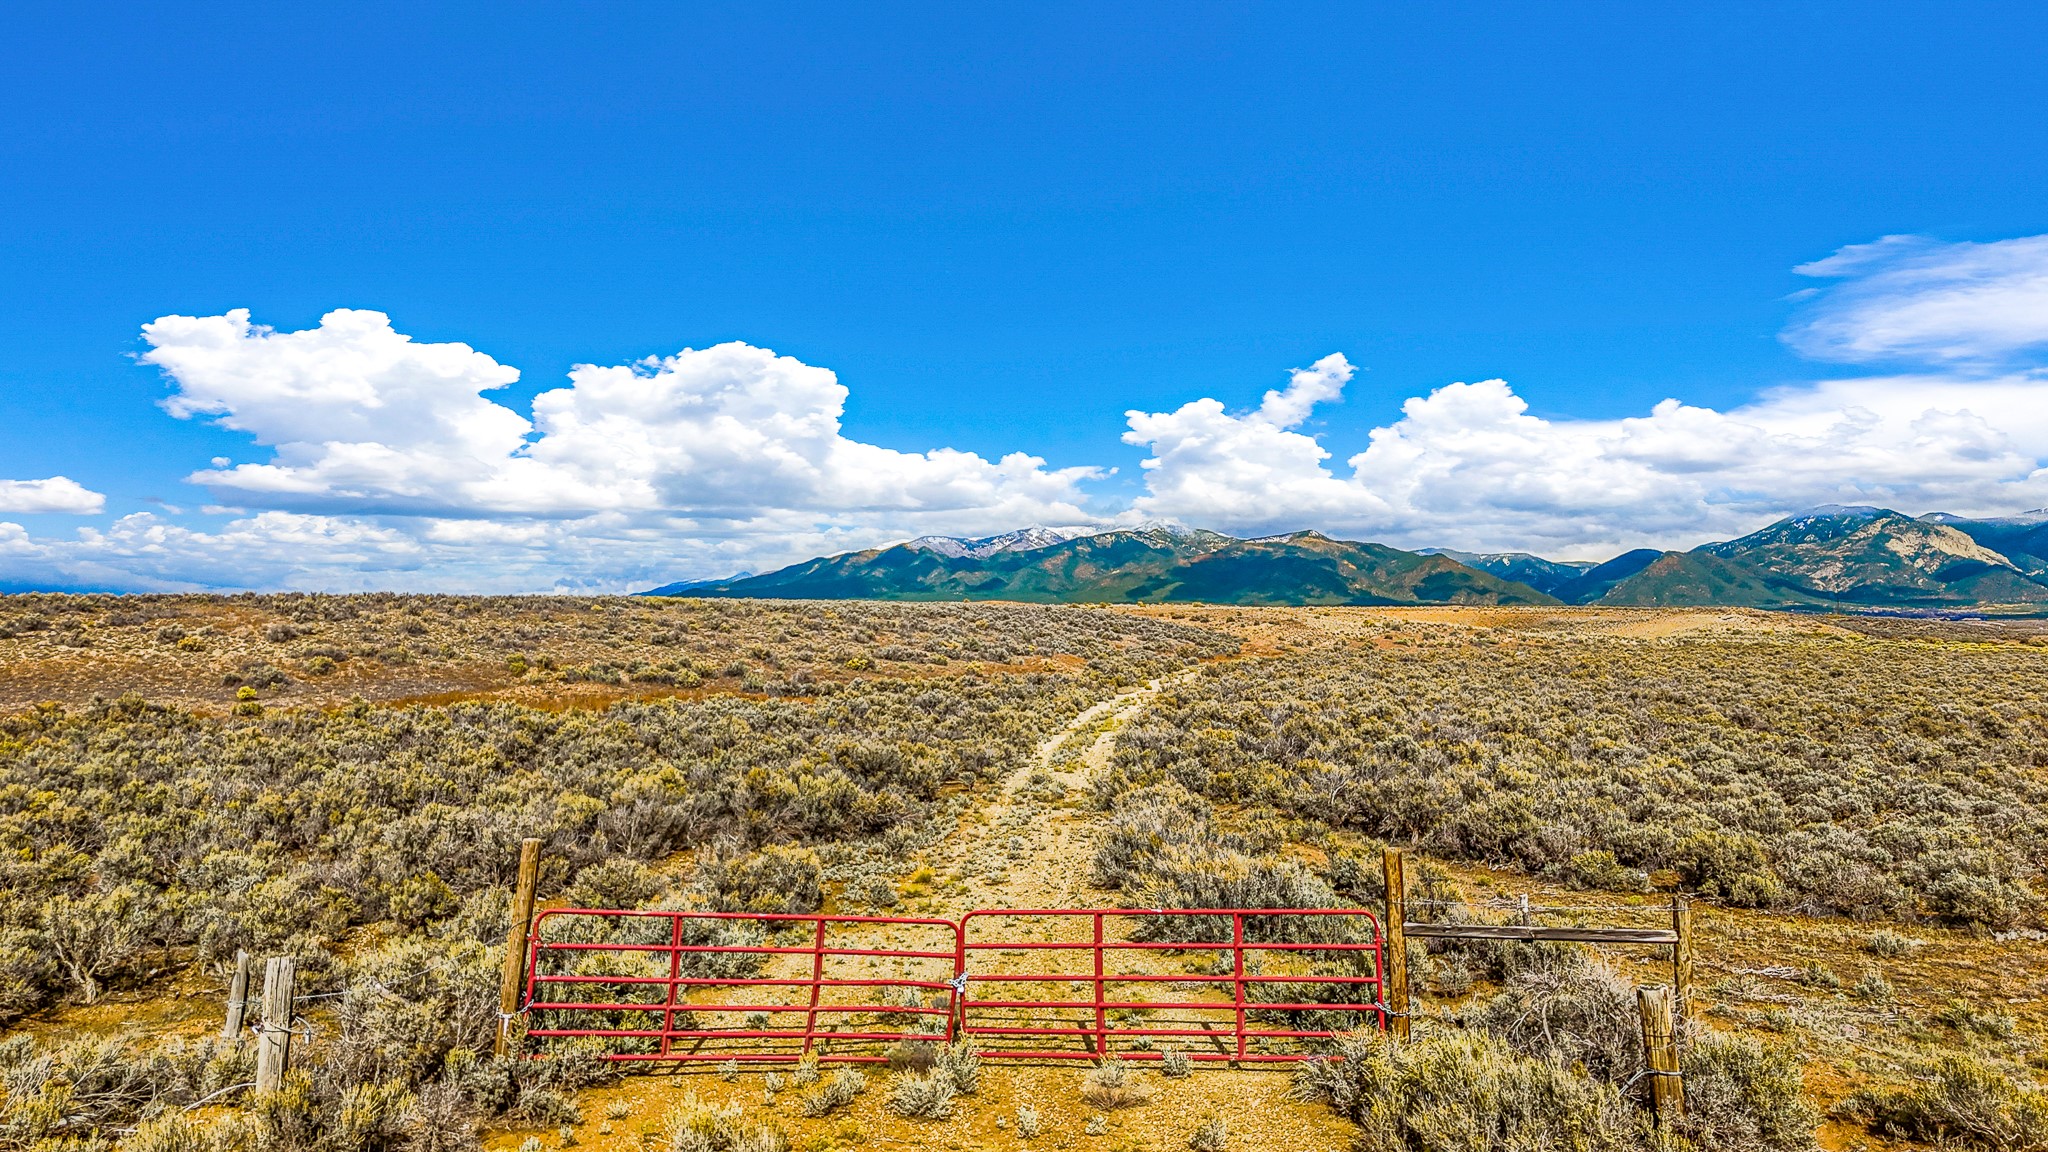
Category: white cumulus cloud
<point>357,414</point>
<point>1210,467</point>
<point>364,419</point>
<point>1467,465</point>
<point>387,462</point>
<point>1911,298</point>
<point>390,465</point>
<point>54,494</point>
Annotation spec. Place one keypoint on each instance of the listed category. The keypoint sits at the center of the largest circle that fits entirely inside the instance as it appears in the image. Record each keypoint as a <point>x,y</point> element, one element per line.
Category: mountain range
<point>1831,557</point>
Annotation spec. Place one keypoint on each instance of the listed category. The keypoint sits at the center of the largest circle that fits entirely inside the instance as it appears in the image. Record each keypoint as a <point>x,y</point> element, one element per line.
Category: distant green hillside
<point>1545,576</point>
<point>1694,579</point>
<point>1828,558</point>
<point>1148,565</point>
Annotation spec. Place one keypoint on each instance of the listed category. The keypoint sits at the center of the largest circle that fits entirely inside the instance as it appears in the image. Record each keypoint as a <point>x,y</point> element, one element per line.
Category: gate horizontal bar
<point>682,1035</point>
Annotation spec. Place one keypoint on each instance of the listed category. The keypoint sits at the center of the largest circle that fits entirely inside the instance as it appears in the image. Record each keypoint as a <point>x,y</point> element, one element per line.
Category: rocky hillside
<point>1834,556</point>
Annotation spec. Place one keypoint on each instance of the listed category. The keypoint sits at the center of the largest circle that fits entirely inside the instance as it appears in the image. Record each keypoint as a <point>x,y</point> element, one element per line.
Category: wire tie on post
<point>1631,1081</point>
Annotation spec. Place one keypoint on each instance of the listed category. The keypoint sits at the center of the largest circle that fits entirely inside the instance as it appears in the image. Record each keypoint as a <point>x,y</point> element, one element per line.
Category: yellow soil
<point>1253,1104</point>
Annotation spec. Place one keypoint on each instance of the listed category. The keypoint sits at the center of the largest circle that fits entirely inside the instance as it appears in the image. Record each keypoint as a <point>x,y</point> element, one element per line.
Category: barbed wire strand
<point>376,985</point>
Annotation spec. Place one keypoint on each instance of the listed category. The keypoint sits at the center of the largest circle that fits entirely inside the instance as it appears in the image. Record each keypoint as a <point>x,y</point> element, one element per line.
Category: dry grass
<point>197,651</point>
<point>1864,1014</point>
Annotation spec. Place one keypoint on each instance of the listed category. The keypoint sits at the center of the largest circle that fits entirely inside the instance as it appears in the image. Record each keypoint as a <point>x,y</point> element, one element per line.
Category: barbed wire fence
<point>279,1022</point>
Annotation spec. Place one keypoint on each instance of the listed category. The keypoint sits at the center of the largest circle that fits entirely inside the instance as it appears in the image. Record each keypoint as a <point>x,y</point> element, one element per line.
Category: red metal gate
<point>658,985</point>
<point>1279,971</point>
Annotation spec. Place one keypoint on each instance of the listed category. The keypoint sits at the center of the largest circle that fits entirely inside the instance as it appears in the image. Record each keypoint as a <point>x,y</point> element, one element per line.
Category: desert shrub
<point>1451,975</point>
<point>1113,1084</point>
<point>774,879</point>
<point>1741,1096</point>
<point>263,675</point>
<point>442,1119</point>
<point>959,1064</point>
<point>1174,1063</point>
<point>94,935</point>
<point>1974,888</point>
<point>177,1132</point>
<point>764,1138</point>
<point>1961,1101</point>
<point>420,899</point>
<point>873,891</point>
<point>1728,865</point>
<point>696,1126</point>
<point>1966,1018</point>
<point>1564,1005</point>
<point>1359,880</point>
<point>1465,1093</point>
<point>1143,823</point>
<point>27,970</point>
<point>1030,1125</point>
<point>1887,943</point>
<point>1599,869</point>
<point>1211,1135</point>
<point>91,1087</point>
<point>613,884</point>
<point>834,1094</point>
<point>921,1095</point>
<point>408,1005</point>
<point>1206,875</point>
<point>536,1091</point>
<point>1872,988</point>
<point>1875,778</point>
<point>910,1055</point>
<point>1815,975</point>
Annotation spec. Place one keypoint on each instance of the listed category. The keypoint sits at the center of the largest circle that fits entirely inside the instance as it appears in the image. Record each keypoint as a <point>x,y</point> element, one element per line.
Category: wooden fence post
<point>1395,991</point>
<point>238,998</point>
<point>514,977</point>
<point>274,1042</point>
<point>1681,959</point>
<point>1660,1050</point>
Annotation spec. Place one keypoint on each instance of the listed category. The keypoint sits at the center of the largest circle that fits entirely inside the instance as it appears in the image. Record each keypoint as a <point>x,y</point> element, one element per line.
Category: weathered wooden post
<point>514,978</point>
<point>1660,1050</point>
<point>238,998</point>
<point>274,1042</point>
<point>1395,990</point>
<point>1681,959</point>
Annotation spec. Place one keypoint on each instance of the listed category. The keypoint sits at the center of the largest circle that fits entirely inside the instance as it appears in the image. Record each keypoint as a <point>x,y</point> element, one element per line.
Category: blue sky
<point>1003,230</point>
